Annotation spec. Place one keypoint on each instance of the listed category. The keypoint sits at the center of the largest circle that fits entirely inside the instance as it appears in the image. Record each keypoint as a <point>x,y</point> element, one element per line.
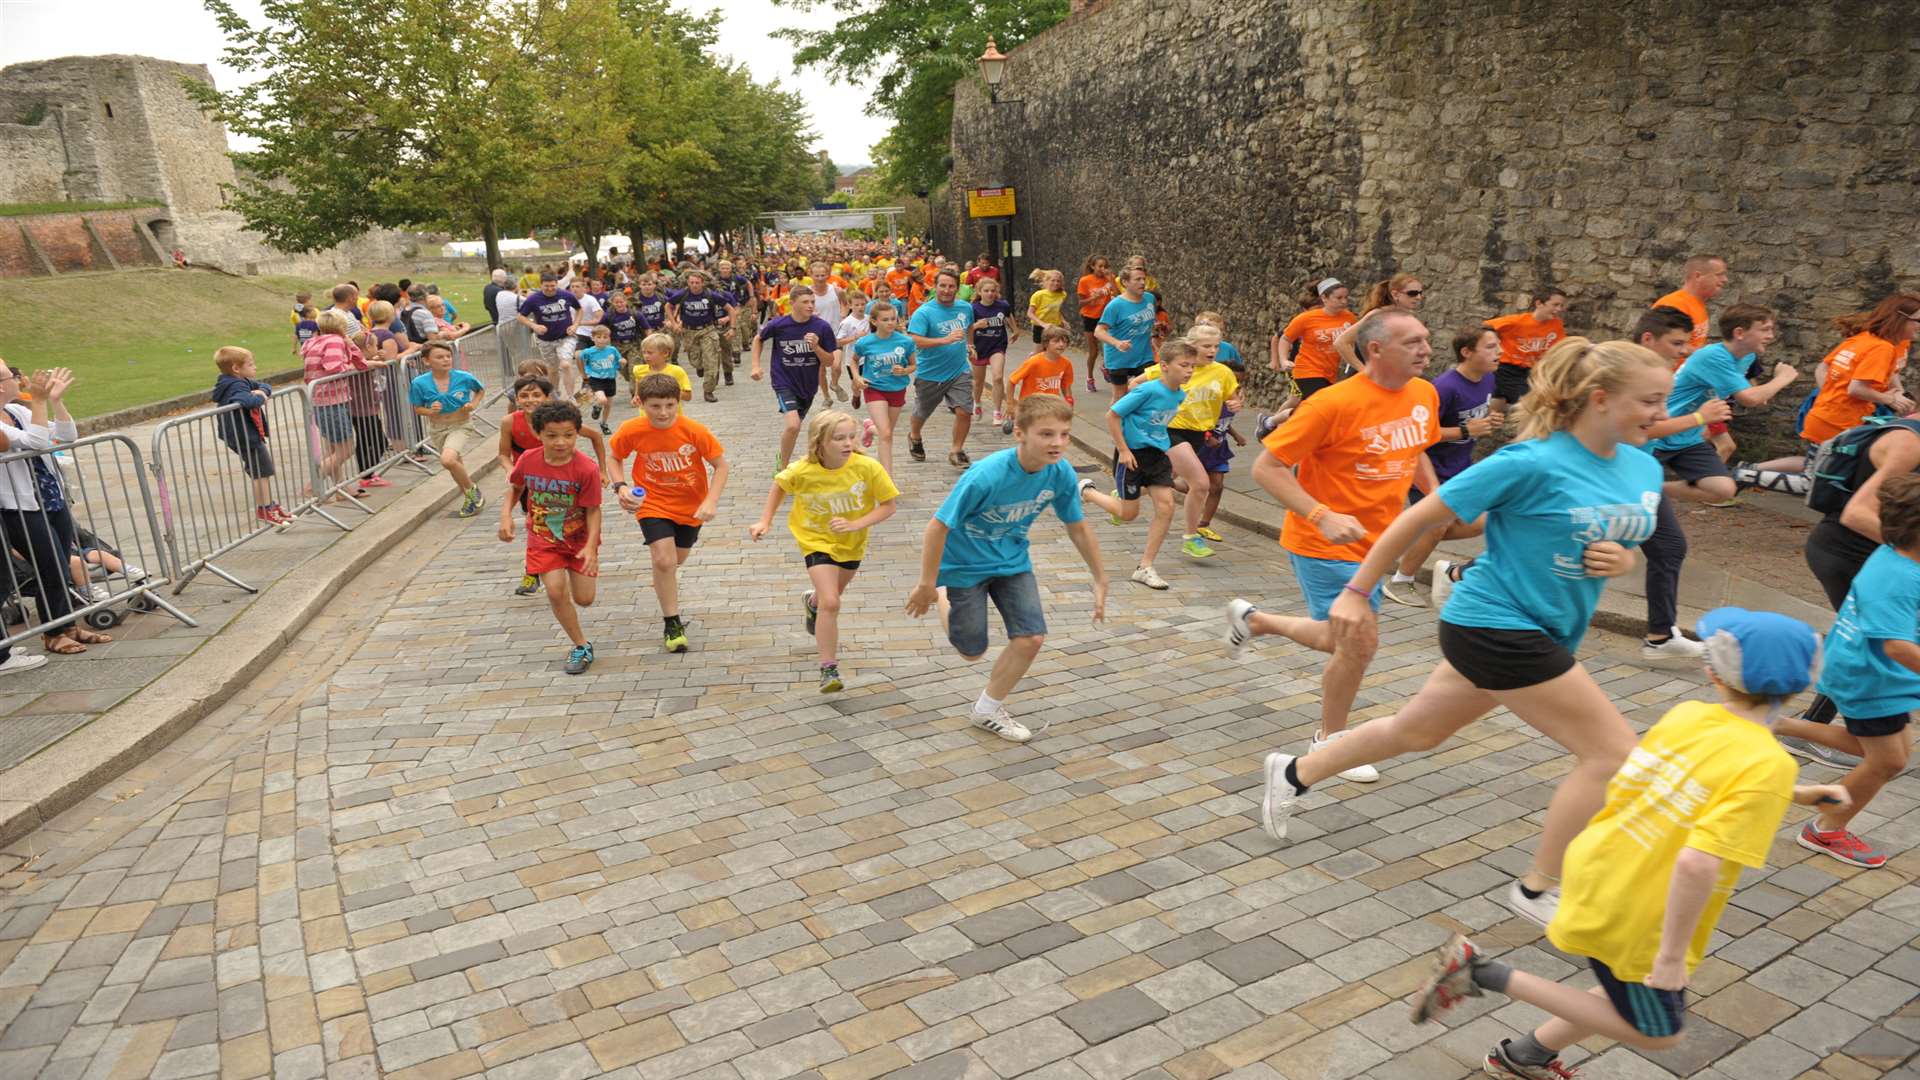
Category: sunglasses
<point>1416,292</point>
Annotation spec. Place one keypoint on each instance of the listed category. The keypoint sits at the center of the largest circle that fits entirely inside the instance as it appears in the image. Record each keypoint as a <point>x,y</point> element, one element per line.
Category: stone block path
<point>416,849</point>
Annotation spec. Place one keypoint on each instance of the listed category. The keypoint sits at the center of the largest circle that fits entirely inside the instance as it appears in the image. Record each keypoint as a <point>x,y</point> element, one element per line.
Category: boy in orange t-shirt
<point>670,494</point>
<point>1047,371</point>
<point>1525,337</point>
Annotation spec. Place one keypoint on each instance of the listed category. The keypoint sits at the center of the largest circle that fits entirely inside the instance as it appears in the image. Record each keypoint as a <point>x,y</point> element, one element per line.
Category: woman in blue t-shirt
<point>1564,506</point>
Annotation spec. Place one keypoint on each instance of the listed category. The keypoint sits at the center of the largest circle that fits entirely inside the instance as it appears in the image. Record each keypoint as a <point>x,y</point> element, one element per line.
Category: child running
<point>1564,505</point>
<point>1043,307</point>
<point>1048,371</point>
<point>1213,390</point>
<point>1141,461</point>
<point>882,364</point>
<point>601,361</point>
<point>446,399</point>
<point>517,436</point>
<point>803,344</point>
<point>656,358</point>
<point>975,550</point>
<point>1216,450</point>
<point>993,325</point>
<point>838,494</point>
<point>670,495</point>
<point>1699,797</point>
<point>561,487</point>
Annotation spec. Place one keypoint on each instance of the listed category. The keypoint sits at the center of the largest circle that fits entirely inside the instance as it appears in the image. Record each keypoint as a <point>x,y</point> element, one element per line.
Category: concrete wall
<point>32,162</point>
<point>1486,146</point>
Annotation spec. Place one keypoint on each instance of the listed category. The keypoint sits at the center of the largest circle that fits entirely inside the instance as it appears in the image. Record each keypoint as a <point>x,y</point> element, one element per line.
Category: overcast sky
<point>183,30</point>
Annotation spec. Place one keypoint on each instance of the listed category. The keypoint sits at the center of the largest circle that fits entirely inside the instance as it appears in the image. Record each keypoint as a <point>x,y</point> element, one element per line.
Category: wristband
<point>1350,587</point>
<point>1318,512</point>
<point>1699,420</point>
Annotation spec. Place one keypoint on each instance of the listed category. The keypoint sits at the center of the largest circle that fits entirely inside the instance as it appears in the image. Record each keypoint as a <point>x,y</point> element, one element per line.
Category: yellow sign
<point>990,202</point>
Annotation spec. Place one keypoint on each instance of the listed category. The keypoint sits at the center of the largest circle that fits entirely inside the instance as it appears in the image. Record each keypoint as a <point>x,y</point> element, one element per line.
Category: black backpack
<point>1842,463</point>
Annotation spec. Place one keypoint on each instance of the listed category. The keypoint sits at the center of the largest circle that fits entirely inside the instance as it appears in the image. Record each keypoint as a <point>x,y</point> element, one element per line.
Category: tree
<point>922,49</point>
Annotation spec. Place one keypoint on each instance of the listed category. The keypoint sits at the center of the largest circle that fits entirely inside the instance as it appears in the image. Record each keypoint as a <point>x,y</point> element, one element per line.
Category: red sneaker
<point>376,480</point>
<point>1451,981</point>
<point>1842,845</point>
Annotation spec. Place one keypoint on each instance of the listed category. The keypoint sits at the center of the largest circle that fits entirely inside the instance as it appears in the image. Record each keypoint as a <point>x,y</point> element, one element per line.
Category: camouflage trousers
<point>706,351</point>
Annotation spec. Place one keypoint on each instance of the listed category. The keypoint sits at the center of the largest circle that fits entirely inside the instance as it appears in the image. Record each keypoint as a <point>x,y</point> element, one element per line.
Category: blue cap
<point>1760,652</point>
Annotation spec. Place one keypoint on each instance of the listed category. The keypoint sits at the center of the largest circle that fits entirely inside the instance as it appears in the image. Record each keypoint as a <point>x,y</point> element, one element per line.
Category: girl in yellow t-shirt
<point>838,494</point>
<point>1043,307</point>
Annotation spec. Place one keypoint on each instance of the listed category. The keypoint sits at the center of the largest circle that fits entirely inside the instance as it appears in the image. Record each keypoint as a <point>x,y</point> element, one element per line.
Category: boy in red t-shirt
<point>562,490</point>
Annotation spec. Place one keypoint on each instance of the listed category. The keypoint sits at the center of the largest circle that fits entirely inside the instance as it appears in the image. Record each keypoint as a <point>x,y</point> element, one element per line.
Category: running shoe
<point>1090,386</point>
<point>1451,981</point>
<point>830,678</point>
<point>22,661</point>
<point>979,411</point>
<point>580,659</point>
<point>1678,649</point>
<point>1499,1064</point>
<point>1209,534</point>
<point>278,513</point>
<point>1006,426</point>
<point>98,593</point>
<point>675,639</point>
<point>1404,593</point>
<point>1145,575</point>
<point>1115,518</point>
<point>866,432</point>
<point>999,417</point>
<point>472,503</point>
<point>813,613</point>
<point>266,514</point>
<point>1002,723</point>
<point>528,585</point>
<point>959,459</point>
<point>605,428</point>
<point>596,412</point>
<point>376,481</point>
<point>1195,547</point>
<point>712,398</point>
<point>1843,845</point>
<point>916,449</point>
<point>1725,504</point>
<point>1443,583</point>
<point>1538,909</point>
<point>1825,755</point>
<point>1277,798</point>
<point>1239,633</point>
<point>1359,774</point>
<point>1264,423</point>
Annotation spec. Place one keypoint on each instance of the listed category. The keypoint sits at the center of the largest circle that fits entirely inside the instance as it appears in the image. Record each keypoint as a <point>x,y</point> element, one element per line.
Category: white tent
<point>468,249</point>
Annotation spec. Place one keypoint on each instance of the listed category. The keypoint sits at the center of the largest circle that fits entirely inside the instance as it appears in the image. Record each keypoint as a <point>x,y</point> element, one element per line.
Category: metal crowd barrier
<point>82,539</point>
<point>360,427</point>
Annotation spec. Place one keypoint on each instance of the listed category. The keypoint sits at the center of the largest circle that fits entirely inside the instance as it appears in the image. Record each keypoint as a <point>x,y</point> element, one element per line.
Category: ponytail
<point>1566,377</point>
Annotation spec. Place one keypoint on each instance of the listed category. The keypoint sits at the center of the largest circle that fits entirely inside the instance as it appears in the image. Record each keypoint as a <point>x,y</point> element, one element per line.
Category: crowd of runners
<point>1566,454</point>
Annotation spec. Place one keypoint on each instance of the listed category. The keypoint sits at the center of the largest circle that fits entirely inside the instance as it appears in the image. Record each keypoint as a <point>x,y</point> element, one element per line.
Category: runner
<point>1466,392</point>
<point>993,326</point>
<point>1096,287</point>
<point>1525,337</point>
<point>804,350</point>
<point>702,316</point>
<point>1315,365</point>
<point>1704,277</point>
<point>1864,371</point>
<point>1564,505</point>
<point>939,331</point>
<point>1342,466</point>
<point>882,363</point>
<point>1401,292</point>
<point>1143,464</point>
<point>1125,329</point>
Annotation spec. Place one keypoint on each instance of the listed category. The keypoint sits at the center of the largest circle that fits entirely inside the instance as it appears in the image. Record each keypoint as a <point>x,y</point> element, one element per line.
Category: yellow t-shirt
<point>821,494</point>
<point>641,371</point>
<point>1701,778</point>
<point>1207,394</point>
<point>1044,306</point>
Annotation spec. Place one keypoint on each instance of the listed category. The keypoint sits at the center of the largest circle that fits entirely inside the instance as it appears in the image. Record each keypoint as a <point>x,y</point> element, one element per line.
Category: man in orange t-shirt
<point>1342,465</point>
<point>1706,275</point>
<point>1525,336</point>
<point>670,495</point>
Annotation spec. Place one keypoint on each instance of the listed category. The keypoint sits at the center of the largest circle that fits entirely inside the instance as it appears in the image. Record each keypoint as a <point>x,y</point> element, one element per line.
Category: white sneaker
<point>1443,583</point>
<point>1538,909</point>
<point>1405,593</point>
<point>99,593</point>
<point>1276,801</point>
<point>1145,575</point>
<point>1360,774</point>
<point>1677,649</point>
<point>22,661</point>
<point>1002,723</point>
<point>1239,634</point>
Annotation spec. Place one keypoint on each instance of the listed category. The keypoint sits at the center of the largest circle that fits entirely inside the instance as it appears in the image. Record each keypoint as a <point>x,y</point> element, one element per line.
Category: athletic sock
<point>1526,1050</point>
<point>987,705</point>
<point>1293,778</point>
<point>1490,975</point>
<point>1531,894</point>
<point>1402,579</point>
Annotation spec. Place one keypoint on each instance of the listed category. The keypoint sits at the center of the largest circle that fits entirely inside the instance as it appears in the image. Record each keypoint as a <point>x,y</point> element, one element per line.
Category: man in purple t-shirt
<point>703,316</point>
<point>549,314</point>
<point>1465,415</point>
<point>802,343</point>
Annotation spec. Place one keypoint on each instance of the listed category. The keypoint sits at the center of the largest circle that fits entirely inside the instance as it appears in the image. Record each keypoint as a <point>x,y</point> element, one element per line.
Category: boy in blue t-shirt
<point>1125,331</point>
<point>1142,462</point>
<point>1717,371</point>
<point>975,550</point>
<point>601,362</point>
<point>446,398</point>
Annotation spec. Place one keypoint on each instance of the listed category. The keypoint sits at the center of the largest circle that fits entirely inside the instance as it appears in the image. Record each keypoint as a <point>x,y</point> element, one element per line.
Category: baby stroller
<point>23,584</point>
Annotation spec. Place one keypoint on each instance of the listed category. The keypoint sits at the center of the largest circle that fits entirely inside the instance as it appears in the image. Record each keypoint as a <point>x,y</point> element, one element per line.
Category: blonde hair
<point>1204,330</point>
<point>380,313</point>
<point>820,429</point>
<point>334,321</point>
<point>228,358</point>
<point>1213,319</point>
<point>1566,377</point>
<point>658,343</point>
<point>533,368</point>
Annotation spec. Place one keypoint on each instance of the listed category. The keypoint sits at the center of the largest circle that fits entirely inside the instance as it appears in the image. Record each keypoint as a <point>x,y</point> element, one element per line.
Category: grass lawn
<point>137,336</point>
<point>23,209</point>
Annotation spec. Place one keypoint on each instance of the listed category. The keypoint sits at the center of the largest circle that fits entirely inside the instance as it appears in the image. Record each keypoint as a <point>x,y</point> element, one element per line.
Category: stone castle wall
<point>1484,145</point>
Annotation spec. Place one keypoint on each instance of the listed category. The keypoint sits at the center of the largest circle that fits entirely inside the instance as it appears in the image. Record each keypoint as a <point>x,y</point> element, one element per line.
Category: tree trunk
<point>638,248</point>
<point>590,243</point>
<point>490,231</point>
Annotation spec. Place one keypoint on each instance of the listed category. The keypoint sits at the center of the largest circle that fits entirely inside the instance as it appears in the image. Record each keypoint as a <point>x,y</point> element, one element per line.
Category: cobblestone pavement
<point>416,849</point>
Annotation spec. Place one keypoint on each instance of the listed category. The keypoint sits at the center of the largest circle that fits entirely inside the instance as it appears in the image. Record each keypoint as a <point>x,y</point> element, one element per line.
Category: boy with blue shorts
<point>975,551</point>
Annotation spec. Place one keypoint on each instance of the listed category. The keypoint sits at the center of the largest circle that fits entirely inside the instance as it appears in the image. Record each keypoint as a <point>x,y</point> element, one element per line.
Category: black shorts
<point>1195,439</point>
<point>790,400</point>
<point>603,386</point>
<point>1151,469</point>
<point>1656,1013</point>
<point>1510,382</point>
<point>652,529</point>
<point>1874,726</point>
<point>1088,322</point>
<point>1503,659</point>
<point>821,558</point>
<point>1310,387</point>
<point>1123,376</point>
<point>1693,463</point>
<point>257,461</point>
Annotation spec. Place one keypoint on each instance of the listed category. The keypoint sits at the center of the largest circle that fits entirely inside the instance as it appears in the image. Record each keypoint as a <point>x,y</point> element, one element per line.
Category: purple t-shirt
<point>700,309</point>
<point>1461,400</point>
<point>553,313</point>
<point>991,338</point>
<point>652,309</point>
<point>796,367</point>
<point>626,326</point>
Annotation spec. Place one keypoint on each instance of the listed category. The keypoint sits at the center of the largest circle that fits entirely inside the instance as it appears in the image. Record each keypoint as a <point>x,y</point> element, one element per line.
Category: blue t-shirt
<point>1145,412</point>
<point>877,357</point>
<point>453,313</point>
<point>1545,501</point>
<point>1711,371</point>
<point>939,363</point>
<point>1130,322</point>
<point>462,388</point>
<point>991,338</point>
<point>990,510</point>
<point>602,361</point>
<point>625,325</point>
<point>899,306</point>
<point>700,309</point>
<point>1230,356</point>
<point>553,313</point>
<point>795,365</point>
<point>1461,400</point>
<point>1883,605</point>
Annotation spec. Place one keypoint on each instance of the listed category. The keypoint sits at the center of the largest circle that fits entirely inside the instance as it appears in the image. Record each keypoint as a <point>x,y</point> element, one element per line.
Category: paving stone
<point>1099,1019</point>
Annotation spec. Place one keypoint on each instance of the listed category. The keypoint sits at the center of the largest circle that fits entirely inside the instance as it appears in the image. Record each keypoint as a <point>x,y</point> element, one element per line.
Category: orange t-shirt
<point>1091,305</point>
<point>1523,338</point>
<point>900,280</point>
<point>1867,357</point>
<point>1356,446</point>
<point>1043,375</point>
<point>672,465</point>
<point>1314,330</point>
<point>1696,310</point>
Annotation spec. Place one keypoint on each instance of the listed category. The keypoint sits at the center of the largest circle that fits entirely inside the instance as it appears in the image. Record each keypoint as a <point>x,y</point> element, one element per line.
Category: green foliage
<point>920,49</point>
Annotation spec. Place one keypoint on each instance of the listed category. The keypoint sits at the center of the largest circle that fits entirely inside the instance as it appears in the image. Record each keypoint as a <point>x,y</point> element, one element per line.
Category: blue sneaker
<point>580,659</point>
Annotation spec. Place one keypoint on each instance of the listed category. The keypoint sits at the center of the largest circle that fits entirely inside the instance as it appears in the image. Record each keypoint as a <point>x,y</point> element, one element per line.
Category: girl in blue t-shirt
<point>1564,507</point>
<point>882,365</point>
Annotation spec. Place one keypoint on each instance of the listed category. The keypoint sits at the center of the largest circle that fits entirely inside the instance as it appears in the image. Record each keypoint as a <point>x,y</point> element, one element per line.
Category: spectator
<point>443,317</point>
<point>417,320</point>
<point>490,296</point>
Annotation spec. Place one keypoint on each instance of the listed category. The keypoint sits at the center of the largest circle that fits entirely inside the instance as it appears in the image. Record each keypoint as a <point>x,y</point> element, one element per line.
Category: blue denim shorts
<point>334,421</point>
<point>1017,597</point>
<point>1322,580</point>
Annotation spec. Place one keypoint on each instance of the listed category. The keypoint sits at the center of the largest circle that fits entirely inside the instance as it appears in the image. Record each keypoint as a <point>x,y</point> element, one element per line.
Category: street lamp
<point>993,68</point>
